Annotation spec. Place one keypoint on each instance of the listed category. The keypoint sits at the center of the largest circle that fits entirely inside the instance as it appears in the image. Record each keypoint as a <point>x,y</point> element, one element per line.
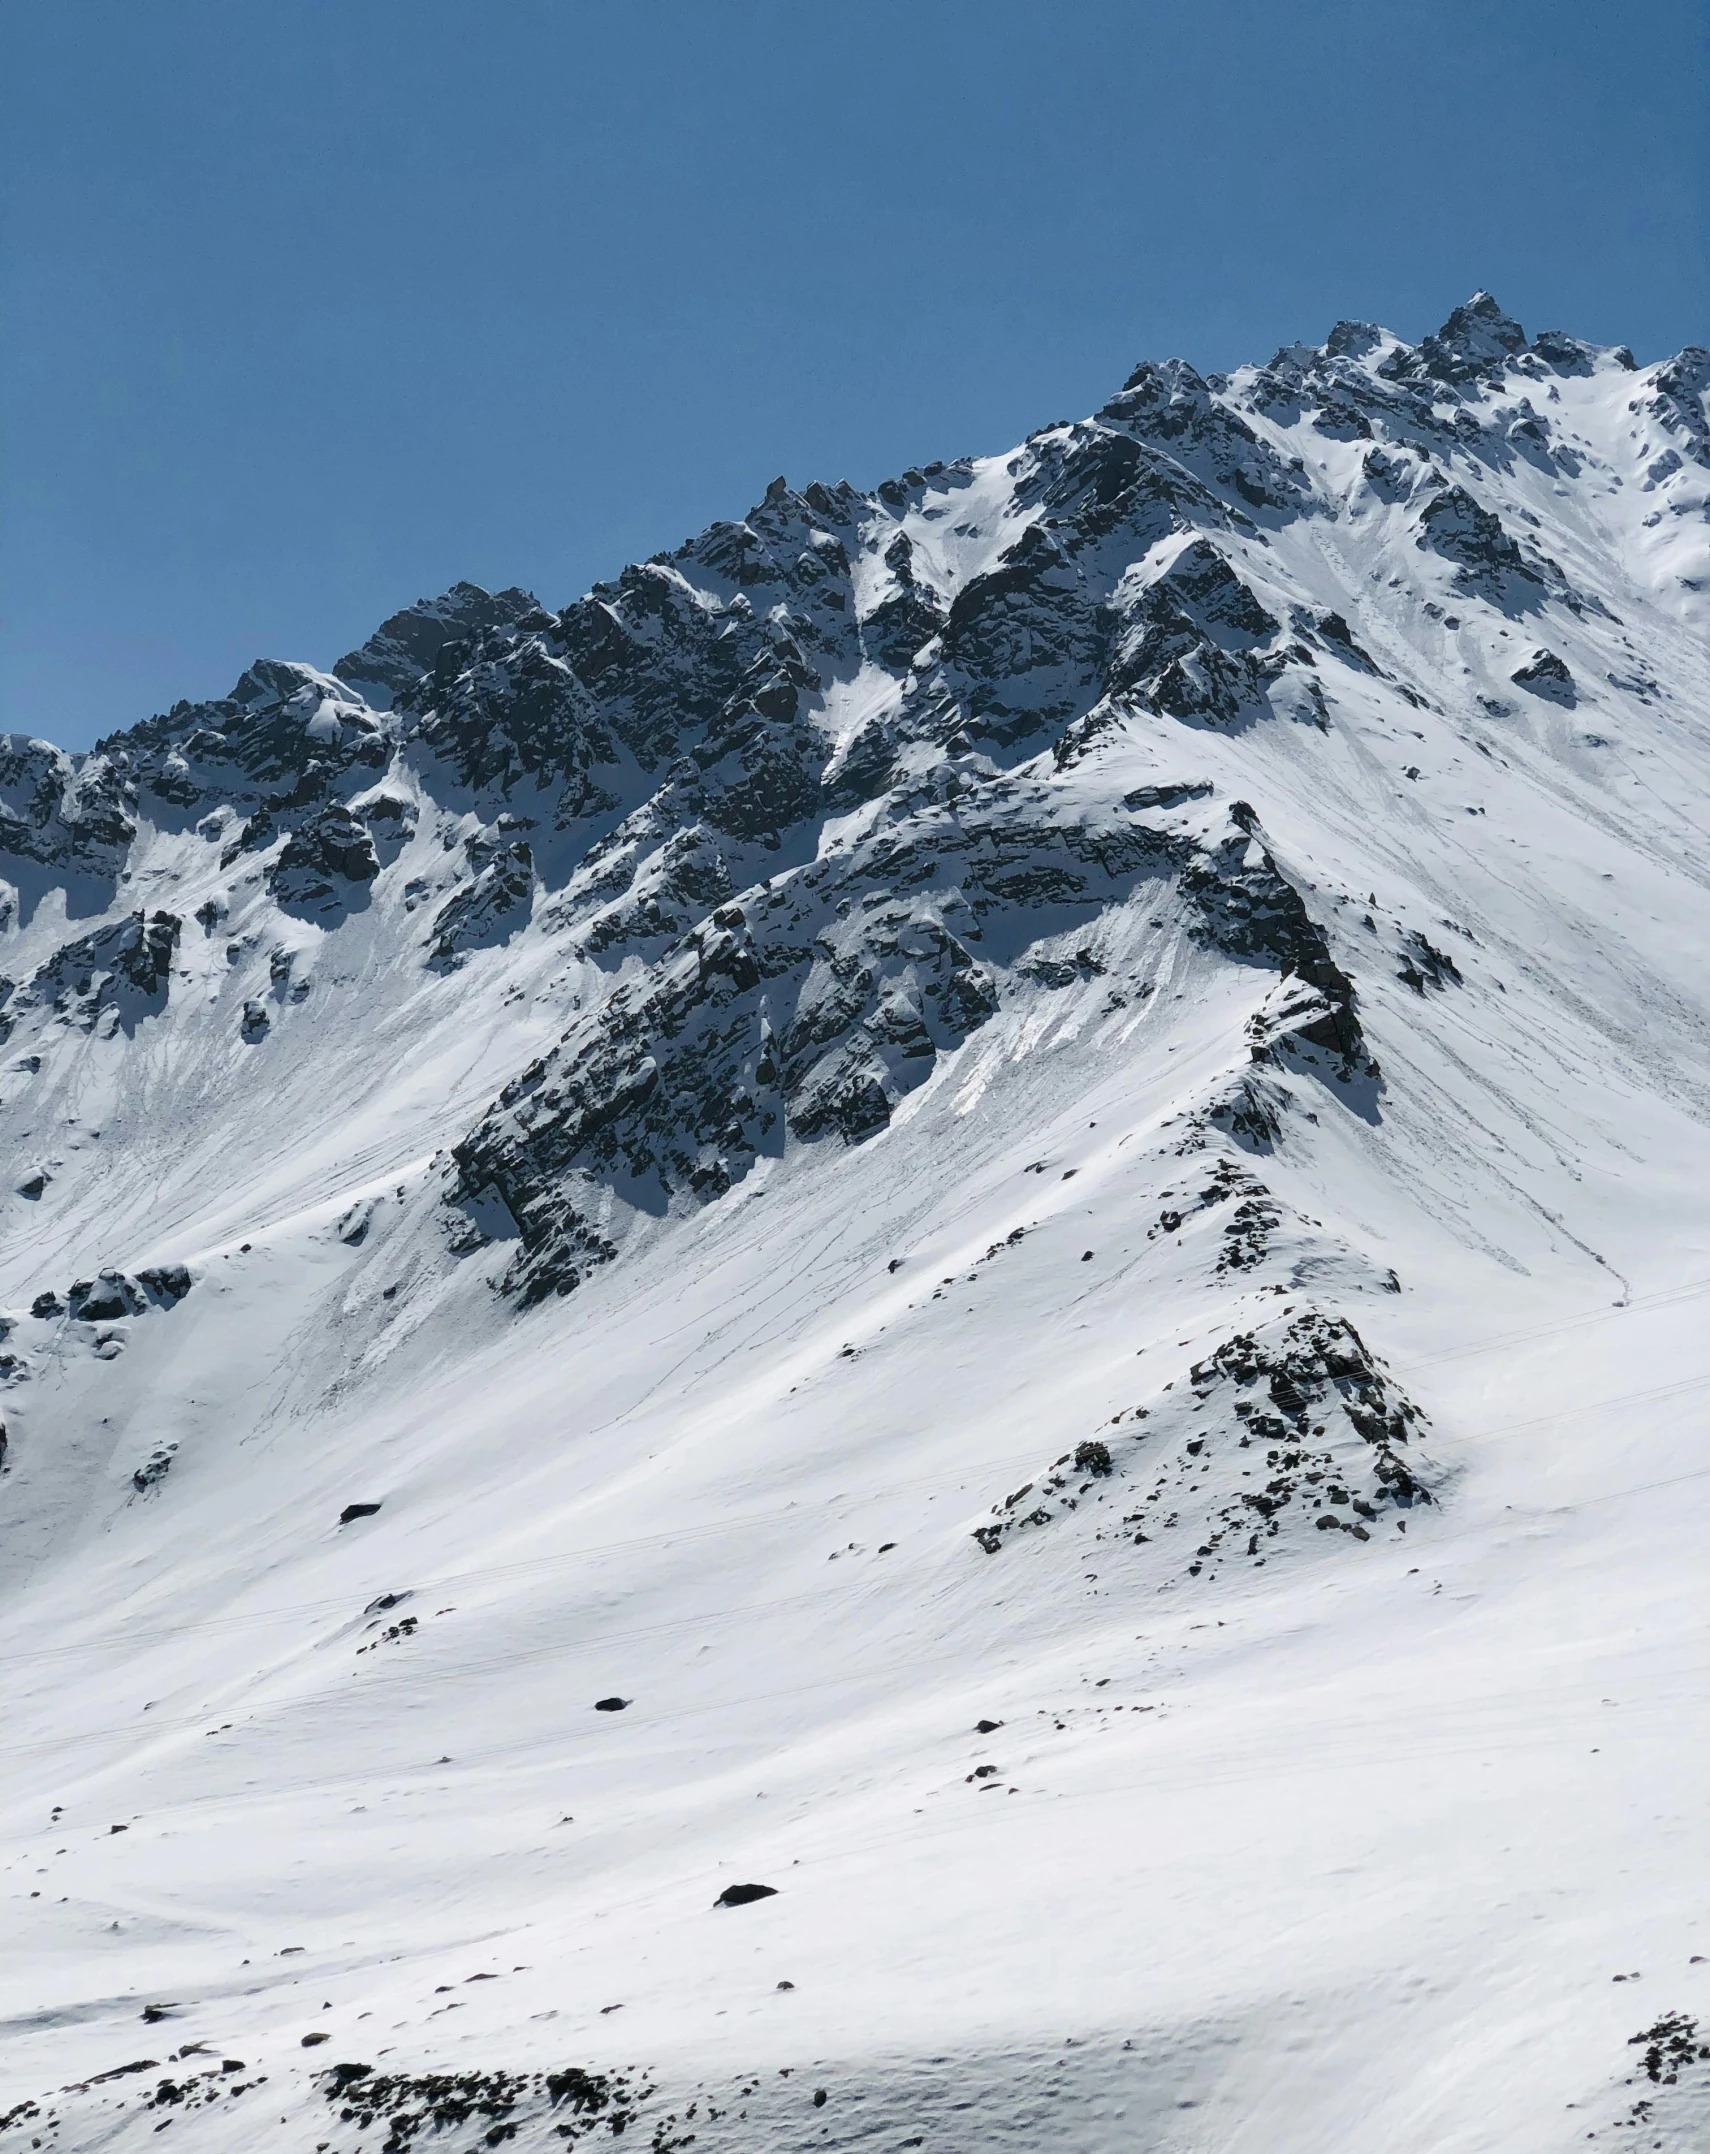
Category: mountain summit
<point>982,1199</point>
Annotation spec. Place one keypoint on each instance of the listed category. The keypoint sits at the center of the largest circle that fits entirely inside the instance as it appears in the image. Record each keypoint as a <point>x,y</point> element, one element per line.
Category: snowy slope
<point>1024,1156</point>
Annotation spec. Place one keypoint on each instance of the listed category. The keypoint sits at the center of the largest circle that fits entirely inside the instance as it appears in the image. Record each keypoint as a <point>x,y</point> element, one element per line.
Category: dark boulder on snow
<point>104,1298</point>
<point>165,1283</point>
<point>741,1895</point>
<point>356,1510</point>
<point>1546,675</point>
<point>154,1468</point>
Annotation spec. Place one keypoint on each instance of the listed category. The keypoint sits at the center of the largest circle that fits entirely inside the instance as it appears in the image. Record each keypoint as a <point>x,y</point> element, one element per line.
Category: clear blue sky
<point>310,309</point>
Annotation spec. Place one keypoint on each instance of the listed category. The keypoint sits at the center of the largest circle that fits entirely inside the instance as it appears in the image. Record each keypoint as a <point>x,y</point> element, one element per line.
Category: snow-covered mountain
<point>983,1203</point>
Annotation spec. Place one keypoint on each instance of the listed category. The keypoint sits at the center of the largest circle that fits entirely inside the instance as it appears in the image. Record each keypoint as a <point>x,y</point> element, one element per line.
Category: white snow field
<point>1142,1467</point>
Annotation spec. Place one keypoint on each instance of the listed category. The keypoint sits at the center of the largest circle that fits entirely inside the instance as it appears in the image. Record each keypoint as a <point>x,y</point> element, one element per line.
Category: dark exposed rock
<point>113,1294</point>
<point>1187,643</point>
<point>1172,407</point>
<point>1670,2045</point>
<point>512,713</point>
<point>906,617</point>
<point>1477,340</point>
<point>742,1895</point>
<point>1547,675</point>
<point>1251,910</point>
<point>102,1299</point>
<point>811,1009</point>
<point>324,855</point>
<point>124,968</point>
<point>154,1469</point>
<point>1563,354</point>
<point>356,1510</point>
<point>1336,632</point>
<point>165,1283</point>
<point>491,908</point>
<point>1322,1427</point>
<point>404,647</point>
<point>1021,639</point>
<point>282,739</point>
<point>1423,965</point>
<point>497,2102</point>
<point>1490,562</point>
<point>1676,403</point>
<point>63,812</point>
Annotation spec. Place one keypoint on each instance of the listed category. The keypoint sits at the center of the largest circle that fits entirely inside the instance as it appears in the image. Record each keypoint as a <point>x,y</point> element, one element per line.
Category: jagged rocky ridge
<point>817,791</point>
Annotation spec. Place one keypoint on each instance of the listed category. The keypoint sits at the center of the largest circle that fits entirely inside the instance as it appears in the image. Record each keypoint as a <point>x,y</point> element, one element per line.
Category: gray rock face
<point>124,968</point>
<point>1490,562</point>
<point>323,857</point>
<point>1189,643</point>
<point>60,812</point>
<point>111,1295</point>
<point>491,908</point>
<point>1477,339</point>
<point>286,737</point>
<point>810,1009</point>
<point>407,644</point>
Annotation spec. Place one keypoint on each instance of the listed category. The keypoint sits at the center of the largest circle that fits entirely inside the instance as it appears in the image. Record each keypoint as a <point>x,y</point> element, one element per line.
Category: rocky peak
<point>1478,339</point>
<point>405,645</point>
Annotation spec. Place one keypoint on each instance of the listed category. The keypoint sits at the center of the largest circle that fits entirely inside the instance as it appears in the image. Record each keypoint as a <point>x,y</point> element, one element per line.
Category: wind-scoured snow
<point>981,1203</point>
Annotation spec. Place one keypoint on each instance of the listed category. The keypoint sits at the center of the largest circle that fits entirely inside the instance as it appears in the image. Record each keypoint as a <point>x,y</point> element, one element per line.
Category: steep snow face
<point>982,1204</point>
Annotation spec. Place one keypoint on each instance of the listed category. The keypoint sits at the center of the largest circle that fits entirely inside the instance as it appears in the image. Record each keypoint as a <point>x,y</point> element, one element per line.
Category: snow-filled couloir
<point>981,1203</point>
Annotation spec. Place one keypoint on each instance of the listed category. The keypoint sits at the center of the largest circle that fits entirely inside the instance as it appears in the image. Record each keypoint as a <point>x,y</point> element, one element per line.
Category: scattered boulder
<point>740,1895</point>
<point>611,1705</point>
<point>154,1468</point>
<point>356,1510</point>
<point>103,1299</point>
<point>165,1283</point>
<point>1546,675</point>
